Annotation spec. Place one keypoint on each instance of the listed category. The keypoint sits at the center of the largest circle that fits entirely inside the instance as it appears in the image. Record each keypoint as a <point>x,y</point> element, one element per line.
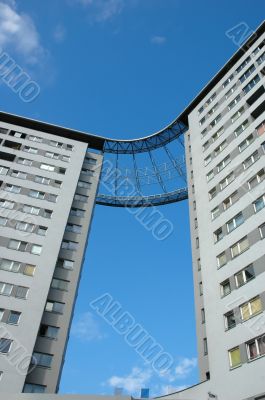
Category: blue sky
<point>124,68</point>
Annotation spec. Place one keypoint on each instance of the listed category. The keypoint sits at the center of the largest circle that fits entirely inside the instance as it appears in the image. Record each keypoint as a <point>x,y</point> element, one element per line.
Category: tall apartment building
<point>225,152</point>
<point>48,187</point>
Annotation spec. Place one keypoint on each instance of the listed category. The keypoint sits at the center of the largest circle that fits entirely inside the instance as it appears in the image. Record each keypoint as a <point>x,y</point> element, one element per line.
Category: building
<point>225,153</point>
<point>48,187</point>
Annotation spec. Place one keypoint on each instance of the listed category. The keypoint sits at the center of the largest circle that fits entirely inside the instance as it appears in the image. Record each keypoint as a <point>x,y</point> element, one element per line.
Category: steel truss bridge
<point>144,172</point>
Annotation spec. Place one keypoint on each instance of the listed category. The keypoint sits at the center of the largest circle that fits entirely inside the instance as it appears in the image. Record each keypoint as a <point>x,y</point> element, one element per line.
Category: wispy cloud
<point>185,367</point>
<point>86,328</point>
<point>159,40</point>
<point>18,32</point>
<point>133,382</point>
<point>101,10</point>
<point>59,33</point>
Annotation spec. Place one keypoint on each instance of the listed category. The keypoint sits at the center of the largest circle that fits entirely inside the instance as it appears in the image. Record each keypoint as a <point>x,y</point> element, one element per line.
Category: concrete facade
<point>225,152</point>
<point>49,265</point>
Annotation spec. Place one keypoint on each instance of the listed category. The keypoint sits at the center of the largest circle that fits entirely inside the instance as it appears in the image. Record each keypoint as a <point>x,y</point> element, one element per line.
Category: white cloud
<point>59,33</point>
<point>158,40</point>
<point>133,382</point>
<point>185,367</point>
<point>86,328</point>
<point>18,32</point>
<point>102,10</point>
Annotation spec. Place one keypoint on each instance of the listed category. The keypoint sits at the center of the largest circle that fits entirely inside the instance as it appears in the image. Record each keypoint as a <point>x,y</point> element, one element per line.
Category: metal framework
<point>113,192</point>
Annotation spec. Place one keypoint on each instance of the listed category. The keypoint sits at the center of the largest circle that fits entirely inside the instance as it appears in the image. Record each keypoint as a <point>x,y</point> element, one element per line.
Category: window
<point>215,212</point>
<point>36,249</point>
<point>221,260</point>
<point>234,357</point>
<point>3,170</point>
<point>218,235</point>
<point>31,210</point>
<point>42,180</point>
<point>199,264</point>
<point>217,134</point>
<point>261,58</point>
<point>42,230</point>
<point>262,231</point>
<point>7,204</point>
<point>52,155</point>
<point>255,52</point>
<point>24,161</point>
<point>251,84</point>
<point>200,110</point>
<point>9,265</point>
<point>3,130</point>
<point>230,320</point>
<point>215,121</point>
<point>33,388</point>
<point>234,102</point>
<point>73,228</point>
<point>21,292</point>
<point>228,80</point>
<point>47,167</point>
<point>56,144</point>
<point>90,160</point>
<point>248,72</point>
<point>260,130</point>
<point>88,172</point>
<point>251,308</point>
<point>17,245</point>
<point>243,64</point>
<point>12,188</point>
<point>13,317</point>
<point>68,245</point>
<point>36,194</point>
<point>251,160</point>
<point>66,158</point>
<point>5,289</point>
<point>230,91</point>
<point>76,212</point>
<point>66,264</point>
<point>213,109</point>
<point>52,197</point>
<point>203,315</point>
<point>47,214</point>
<point>225,288</point>
<point>227,180</point>
<point>24,226</point>
<point>35,139</point>
<point>19,174</point>
<point>29,270</point>
<point>237,114</point>
<point>207,160</point>
<point>259,203</point>
<point>59,284</point>
<point>206,145</point>
<point>244,276</point>
<point>42,359</point>
<point>223,163</point>
<point>243,145</point>
<point>79,197</point>
<point>200,288</point>
<point>48,331</point>
<point>239,247</point>
<point>12,145</point>
<point>241,128</point>
<point>204,132</point>
<point>256,180</point>
<point>1,313</point>
<point>212,193</point>
<point>3,221</point>
<point>256,348</point>
<point>31,150</point>
<point>5,345</point>
<point>54,306</point>
<point>210,100</point>
<point>230,200</point>
<point>205,346</point>
<point>197,242</point>
<point>235,222</point>
<point>220,148</point>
